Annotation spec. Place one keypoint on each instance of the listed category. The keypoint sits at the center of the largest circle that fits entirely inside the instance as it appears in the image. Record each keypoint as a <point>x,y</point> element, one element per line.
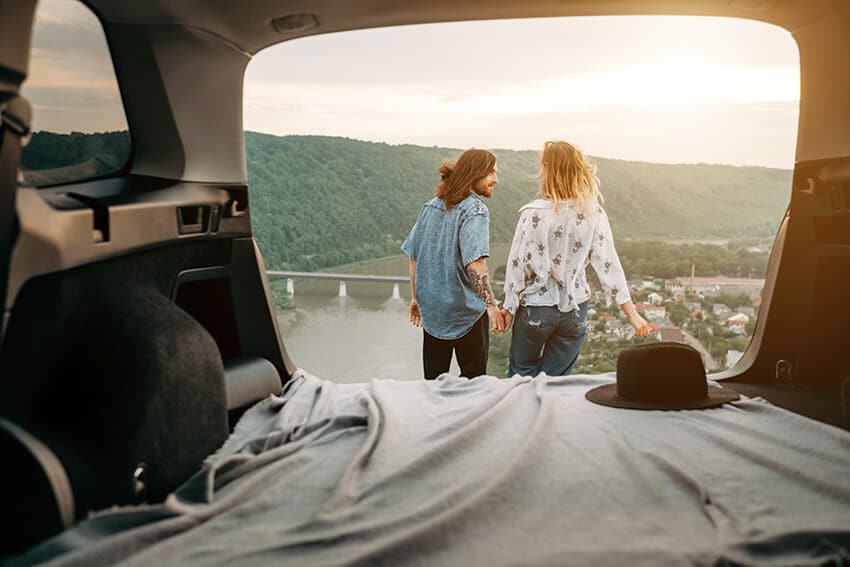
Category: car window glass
<point>78,124</point>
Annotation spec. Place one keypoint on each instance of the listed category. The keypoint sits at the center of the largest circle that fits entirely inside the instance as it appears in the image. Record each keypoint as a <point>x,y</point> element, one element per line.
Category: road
<point>707,359</point>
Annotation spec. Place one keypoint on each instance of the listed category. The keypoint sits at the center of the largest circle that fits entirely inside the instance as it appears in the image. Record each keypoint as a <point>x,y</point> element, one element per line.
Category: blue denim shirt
<point>443,243</point>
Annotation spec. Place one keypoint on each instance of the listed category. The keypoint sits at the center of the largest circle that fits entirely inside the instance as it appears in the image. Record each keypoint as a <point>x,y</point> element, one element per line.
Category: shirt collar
<point>538,204</point>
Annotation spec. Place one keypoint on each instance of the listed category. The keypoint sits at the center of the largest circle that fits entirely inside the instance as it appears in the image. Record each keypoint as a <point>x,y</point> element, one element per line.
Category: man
<point>449,282</point>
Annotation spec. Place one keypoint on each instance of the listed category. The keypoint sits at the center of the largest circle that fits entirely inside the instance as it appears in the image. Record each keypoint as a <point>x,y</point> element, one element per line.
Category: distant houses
<point>652,312</point>
<point>615,327</point>
<point>747,310</point>
<point>645,284</point>
<point>737,323</point>
<point>692,303</point>
<point>672,334</point>
<point>732,357</point>
<point>713,286</point>
<point>721,311</point>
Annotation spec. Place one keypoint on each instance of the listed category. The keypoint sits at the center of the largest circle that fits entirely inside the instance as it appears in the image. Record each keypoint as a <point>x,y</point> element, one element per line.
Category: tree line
<point>319,201</point>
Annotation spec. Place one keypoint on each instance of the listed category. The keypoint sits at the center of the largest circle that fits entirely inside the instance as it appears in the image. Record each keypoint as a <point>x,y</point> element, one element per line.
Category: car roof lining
<point>248,24</point>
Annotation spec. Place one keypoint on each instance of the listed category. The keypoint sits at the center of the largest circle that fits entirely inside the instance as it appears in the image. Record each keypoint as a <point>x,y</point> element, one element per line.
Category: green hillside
<point>322,201</point>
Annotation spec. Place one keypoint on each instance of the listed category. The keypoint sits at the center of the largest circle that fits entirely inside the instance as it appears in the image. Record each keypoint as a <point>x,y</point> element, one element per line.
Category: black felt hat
<point>660,376</point>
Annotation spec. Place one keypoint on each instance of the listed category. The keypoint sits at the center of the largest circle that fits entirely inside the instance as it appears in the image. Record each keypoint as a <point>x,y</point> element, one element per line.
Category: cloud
<point>652,88</point>
<point>664,89</point>
<point>76,109</point>
<point>743,133</point>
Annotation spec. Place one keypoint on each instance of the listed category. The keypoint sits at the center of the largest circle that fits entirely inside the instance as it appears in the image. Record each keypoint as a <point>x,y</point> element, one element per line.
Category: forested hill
<point>320,201</point>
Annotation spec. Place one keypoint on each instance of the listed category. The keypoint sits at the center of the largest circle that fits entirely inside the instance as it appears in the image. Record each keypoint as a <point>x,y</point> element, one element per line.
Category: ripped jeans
<point>559,335</point>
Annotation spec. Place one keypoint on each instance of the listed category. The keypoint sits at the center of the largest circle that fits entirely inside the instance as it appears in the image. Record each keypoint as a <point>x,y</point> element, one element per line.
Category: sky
<point>660,89</point>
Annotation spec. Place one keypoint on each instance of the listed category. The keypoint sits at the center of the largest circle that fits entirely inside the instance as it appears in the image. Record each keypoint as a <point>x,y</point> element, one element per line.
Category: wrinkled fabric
<point>492,472</point>
<point>443,243</point>
<point>550,252</point>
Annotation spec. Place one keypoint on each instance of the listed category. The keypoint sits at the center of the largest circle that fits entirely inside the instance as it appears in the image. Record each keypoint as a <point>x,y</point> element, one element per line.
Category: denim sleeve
<point>474,238</point>
<point>408,246</point>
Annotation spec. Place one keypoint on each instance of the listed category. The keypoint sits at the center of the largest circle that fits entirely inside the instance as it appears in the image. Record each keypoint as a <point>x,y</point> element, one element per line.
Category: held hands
<point>500,319</point>
<point>508,317</point>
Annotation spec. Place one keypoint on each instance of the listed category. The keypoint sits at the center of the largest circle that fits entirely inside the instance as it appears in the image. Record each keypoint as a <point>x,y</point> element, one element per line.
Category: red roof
<point>672,334</point>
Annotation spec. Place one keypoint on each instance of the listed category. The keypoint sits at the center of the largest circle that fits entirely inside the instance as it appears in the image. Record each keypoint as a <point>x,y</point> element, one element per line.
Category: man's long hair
<point>565,173</point>
<point>457,179</point>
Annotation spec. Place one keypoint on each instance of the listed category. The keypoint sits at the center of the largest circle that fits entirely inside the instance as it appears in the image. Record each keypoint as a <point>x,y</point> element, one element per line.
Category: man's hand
<point>415,316</point>
<point>497,321</point>
<point>500,319</point>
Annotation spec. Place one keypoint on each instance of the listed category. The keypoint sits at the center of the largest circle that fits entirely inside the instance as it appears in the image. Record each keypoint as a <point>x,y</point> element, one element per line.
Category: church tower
<point>691,289</point>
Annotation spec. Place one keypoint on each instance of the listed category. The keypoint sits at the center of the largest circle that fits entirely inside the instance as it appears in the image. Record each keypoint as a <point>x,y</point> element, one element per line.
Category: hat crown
<point>663,372</point>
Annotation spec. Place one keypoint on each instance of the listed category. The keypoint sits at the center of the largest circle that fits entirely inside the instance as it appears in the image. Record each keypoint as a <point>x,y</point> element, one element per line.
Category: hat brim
<point>607,396</point>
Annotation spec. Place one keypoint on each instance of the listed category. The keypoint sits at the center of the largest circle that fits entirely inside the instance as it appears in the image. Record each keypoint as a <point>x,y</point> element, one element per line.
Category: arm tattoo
<point>481,285</point>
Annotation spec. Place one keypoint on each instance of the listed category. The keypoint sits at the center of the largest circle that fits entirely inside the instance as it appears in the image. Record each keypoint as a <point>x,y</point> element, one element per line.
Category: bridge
<point>290,278</point>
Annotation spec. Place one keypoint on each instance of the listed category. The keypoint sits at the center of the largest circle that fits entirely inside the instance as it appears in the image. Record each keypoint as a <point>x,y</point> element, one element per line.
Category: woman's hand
<point>635,320</point>
<point>639,323</point>
<point>415,315</point>
<point>508,317</point>
<point>497,322</point>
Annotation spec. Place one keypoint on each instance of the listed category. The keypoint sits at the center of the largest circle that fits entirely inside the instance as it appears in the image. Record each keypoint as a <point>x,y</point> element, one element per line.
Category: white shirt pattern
<point>550,252</point>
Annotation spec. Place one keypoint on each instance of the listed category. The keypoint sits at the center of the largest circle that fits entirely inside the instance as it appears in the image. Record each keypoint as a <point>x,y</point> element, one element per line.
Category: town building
<point>672,334</point>
<point>652,312</point>
<point>732,357</point>
<point>738,323</point>
<point>712,286</point>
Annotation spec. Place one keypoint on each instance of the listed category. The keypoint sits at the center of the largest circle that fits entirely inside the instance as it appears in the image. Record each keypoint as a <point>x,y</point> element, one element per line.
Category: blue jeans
<point>559,336</point>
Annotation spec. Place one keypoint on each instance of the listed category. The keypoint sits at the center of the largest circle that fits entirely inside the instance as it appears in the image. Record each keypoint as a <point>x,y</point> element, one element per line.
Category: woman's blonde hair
<point>565,173</point>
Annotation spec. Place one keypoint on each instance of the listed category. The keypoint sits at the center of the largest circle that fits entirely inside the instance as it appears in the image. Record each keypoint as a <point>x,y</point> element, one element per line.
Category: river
<point>362,336</point>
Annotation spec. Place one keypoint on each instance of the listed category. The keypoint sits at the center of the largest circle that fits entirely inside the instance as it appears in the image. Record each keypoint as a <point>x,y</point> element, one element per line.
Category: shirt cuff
<point>474,257</point>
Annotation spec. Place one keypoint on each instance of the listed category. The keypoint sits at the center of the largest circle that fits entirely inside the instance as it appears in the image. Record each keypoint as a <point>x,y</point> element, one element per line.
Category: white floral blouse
<point>549,254</point>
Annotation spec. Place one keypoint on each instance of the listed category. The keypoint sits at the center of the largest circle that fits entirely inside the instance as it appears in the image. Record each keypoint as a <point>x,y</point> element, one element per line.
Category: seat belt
<point>14,129</point>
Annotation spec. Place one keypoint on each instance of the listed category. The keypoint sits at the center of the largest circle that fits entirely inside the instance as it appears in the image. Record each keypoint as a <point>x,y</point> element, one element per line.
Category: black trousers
<point>471,351</point>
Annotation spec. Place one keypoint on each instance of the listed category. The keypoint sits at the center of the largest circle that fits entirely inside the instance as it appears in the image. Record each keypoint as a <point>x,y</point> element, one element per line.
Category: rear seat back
<point>35,488</point>
<point>125,388</point>
<point>248,380</point>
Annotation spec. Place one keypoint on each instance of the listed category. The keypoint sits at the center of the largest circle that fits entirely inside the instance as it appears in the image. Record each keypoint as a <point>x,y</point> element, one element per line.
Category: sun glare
<point>602,81</point>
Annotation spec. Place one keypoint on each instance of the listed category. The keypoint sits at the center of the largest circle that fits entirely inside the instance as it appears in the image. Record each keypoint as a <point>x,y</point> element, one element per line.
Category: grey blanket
<point>491,472</point>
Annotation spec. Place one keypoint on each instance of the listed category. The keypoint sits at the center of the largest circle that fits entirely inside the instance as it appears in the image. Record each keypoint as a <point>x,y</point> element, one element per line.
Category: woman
<point>546,291</point>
